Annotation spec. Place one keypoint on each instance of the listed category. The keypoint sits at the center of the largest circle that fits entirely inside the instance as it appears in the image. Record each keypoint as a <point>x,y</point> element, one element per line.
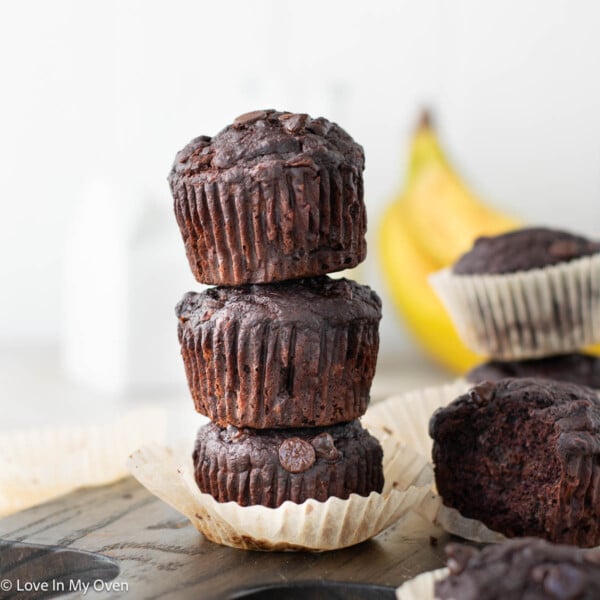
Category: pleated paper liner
<point>405,418</point>
<point>529,314</point>
<point>312,525</point>
<point>422,586</point>
<point>450,520</point>
<point>40,464</point>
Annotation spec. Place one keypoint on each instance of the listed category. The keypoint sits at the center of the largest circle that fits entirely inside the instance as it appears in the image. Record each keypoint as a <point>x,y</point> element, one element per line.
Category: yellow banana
<point>442,214</point>
<point>595,349</point>
<point>425,150</point>
<point>427,228</point>
<point>406,269</point>
<point>445,218</point>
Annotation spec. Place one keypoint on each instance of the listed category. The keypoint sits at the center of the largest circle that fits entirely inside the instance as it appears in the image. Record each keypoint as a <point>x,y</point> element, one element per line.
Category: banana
<point>434,221</point>
<point>595,349</point>
<point>444,216</point>
<point>425,150</point>
<point>406,269</point>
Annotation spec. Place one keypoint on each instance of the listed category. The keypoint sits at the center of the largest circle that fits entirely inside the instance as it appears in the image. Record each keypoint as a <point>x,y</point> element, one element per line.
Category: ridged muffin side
<point>293,354</point>
<point>268,467</point>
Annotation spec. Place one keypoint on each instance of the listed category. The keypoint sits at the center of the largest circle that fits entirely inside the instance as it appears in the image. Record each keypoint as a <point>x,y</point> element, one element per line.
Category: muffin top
<point>524,568</point>
<point>576,368</point>
<point>522,250</point>
<point>261,142</point>
<point>573,409</point>
<point>307,302</point>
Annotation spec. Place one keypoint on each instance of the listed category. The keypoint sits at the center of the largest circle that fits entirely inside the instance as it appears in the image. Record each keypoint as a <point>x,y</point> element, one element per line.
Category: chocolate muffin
<point>526,294</point>
<point>274,196</point>
<point>582,369</point>
<point>523,457</point>
<point>268,467</point>
<point>526,568</point>
<point>291,354</point>
<point>522,250</point>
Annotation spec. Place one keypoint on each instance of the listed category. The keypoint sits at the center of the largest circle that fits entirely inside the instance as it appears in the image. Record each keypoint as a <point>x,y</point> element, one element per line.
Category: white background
<point>96,98</point>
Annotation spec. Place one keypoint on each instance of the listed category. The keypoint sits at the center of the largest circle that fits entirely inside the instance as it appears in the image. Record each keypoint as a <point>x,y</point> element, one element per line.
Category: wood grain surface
<point>160,555</point>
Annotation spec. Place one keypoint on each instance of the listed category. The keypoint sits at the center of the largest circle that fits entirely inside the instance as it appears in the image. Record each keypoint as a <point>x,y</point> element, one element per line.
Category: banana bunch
<point>433,221</point>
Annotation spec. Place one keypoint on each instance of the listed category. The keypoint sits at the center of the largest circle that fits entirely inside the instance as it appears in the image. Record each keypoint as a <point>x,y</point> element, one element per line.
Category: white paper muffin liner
<point>529,314</point>
<point>422,586</point>
<point>40,464</point>
<point>312,525</point>
<point>405,418</point>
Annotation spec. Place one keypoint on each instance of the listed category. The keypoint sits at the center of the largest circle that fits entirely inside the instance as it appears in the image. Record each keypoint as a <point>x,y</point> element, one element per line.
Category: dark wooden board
<point>161,555</point>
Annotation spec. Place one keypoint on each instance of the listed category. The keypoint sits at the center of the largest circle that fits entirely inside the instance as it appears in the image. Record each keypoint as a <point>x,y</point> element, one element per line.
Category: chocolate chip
<point>325,447</point>
<point>483,392</point>
<point>296,455</point>
<point>251,117</point>
<point>319,126</point>
<point>293,123</point>
<point>564,582</point>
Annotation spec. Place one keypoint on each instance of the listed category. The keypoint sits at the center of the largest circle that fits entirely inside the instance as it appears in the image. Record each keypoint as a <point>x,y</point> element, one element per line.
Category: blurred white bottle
<point>125,269</point>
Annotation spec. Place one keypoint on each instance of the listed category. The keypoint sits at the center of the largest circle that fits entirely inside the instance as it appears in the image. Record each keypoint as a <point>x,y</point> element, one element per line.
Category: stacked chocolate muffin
<point>279,356</point>
<point>539,249</point>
